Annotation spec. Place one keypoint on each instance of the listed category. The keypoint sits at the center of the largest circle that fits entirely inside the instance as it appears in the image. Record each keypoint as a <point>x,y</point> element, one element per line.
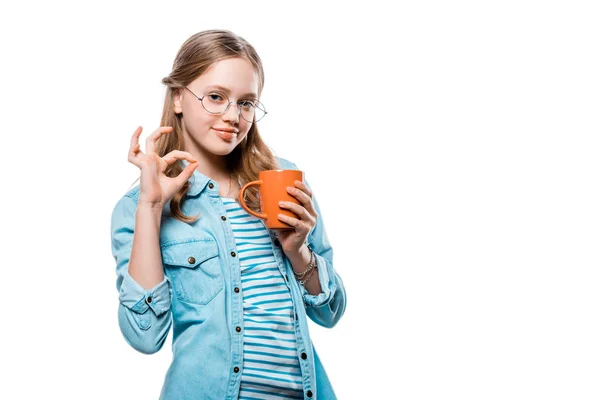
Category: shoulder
<point>133,193</point>
<point>127,203</point>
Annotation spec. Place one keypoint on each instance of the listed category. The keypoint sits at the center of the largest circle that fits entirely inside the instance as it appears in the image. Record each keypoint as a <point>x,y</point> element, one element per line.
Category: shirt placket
<point>237,318</point>
<point>303,357</point>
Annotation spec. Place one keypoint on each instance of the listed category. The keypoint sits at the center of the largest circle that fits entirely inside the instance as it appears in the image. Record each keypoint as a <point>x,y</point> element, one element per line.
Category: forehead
<point>234,76</point>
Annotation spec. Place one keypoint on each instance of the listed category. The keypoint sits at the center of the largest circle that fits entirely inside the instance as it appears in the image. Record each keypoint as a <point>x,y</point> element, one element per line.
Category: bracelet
<point>300,275</point>
<point>302,282</point>
<point>312,265</point>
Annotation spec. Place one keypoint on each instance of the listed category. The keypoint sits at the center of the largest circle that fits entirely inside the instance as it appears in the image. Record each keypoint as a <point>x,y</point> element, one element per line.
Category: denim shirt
<point>200,296</point>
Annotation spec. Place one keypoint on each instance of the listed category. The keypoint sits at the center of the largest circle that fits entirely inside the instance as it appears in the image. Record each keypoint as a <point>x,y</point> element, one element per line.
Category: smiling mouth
<point>225,135</point>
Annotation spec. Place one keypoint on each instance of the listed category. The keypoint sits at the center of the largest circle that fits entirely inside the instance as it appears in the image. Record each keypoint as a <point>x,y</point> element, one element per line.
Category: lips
<point>226,134</point>
<point>226,129</point>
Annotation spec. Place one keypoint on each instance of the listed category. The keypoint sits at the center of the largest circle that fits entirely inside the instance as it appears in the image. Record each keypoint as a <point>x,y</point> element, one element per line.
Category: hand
<point>156,189</point>
<point>292,240</point>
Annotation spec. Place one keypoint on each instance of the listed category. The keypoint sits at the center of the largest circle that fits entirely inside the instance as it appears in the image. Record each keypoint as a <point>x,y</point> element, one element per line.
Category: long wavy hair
<point>250,156</point>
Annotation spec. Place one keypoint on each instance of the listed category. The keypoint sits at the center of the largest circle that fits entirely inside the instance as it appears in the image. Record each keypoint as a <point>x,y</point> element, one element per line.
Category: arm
<point>325,308</point>
<point>144,291</point>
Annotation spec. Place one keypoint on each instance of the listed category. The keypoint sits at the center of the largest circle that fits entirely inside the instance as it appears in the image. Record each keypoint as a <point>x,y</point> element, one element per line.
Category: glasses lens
<point>215,102</point>
<point>252,110</point>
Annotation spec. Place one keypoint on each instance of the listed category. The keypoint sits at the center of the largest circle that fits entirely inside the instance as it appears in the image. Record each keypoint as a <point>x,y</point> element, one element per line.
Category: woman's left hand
<point>292,240</point>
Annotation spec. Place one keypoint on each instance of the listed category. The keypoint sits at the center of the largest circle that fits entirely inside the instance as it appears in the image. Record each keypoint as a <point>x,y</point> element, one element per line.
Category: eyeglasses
<point>218,103</point>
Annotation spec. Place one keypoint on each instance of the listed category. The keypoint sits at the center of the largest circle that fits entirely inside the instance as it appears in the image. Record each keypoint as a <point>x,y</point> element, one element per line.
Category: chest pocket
<point>194,269</point>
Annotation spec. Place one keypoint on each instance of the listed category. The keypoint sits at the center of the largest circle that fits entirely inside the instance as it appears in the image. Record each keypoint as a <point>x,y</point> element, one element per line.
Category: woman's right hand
<point>156,189</point>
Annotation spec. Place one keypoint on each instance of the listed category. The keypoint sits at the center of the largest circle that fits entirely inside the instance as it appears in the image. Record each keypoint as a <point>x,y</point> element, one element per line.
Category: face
<point>201,129</point>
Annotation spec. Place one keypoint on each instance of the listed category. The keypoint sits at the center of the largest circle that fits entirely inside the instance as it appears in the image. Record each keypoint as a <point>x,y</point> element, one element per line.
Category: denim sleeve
<point>327,307</point>
<point>144,314</point>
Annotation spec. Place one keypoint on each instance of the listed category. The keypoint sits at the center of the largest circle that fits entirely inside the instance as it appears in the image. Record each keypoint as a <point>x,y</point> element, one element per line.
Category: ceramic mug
<point>273,185</point>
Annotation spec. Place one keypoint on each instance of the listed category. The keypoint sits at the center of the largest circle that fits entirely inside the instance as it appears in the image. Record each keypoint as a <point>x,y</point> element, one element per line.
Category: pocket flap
<point>190,252</point>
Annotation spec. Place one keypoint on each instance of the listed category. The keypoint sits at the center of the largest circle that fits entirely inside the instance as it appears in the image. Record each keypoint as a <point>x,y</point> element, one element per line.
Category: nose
<point>236,112</point>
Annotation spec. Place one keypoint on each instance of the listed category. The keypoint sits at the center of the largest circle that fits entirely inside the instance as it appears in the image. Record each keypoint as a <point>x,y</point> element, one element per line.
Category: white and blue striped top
<point>271,369</point>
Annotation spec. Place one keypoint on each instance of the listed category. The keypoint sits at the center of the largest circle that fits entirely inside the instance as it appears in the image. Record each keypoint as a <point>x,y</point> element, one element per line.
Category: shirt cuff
<point>140,300</point>
<point>324,270</point>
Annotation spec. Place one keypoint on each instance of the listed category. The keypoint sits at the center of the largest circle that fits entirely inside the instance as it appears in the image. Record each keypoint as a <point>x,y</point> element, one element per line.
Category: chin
<point>222,152</point>
<point>223,149</point>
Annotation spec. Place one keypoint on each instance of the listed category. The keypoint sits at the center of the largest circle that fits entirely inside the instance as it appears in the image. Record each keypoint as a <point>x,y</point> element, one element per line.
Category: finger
<point>304,198</point>
<point>291,221</point>
<point>310,206</point>
<point>186,174</point>
<point>135,138</point>
<point>134,149</point>
<point>296,209</point>
<point>174,155</point>
<point>151,140</point>
<point>304,187</point>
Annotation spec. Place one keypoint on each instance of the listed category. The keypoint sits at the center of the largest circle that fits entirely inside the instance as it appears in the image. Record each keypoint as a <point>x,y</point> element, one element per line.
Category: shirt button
<point>237,290</point>
<point>210,185</point>
<point>238,329</point>
<point>236,369</point>
<point>191,260</point>
<point>223,217</point>
<point>233,254</point>
<point>149,299</point>
<point>277,242</point>
<point>309,393</point>
<point>303,356</point>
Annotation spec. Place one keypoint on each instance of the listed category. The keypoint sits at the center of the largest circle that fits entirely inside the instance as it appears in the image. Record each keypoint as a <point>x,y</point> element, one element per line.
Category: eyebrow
<point>228,91</point>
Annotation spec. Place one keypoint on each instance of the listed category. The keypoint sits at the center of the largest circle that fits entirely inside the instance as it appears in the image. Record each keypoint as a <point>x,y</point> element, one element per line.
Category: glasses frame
<point>239,106</point>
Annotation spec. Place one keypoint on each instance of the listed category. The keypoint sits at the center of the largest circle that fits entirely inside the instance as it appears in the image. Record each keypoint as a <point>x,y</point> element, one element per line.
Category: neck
<point>214,169</point>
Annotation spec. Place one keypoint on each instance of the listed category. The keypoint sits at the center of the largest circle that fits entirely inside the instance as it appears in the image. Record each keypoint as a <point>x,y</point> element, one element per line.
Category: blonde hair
<point>249,157</point>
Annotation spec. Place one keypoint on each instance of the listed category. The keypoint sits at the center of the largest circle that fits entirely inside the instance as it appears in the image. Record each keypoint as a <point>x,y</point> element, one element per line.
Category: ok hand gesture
<point>156,189</point>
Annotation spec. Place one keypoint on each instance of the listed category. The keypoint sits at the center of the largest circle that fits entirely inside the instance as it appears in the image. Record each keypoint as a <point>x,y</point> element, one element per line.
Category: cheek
<point>197,120</point>
<point>245,134</point>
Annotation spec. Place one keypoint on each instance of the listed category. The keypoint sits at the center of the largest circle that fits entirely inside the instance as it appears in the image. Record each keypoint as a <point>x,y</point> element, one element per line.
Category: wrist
<point>300,258</point>
<point>150,208</point>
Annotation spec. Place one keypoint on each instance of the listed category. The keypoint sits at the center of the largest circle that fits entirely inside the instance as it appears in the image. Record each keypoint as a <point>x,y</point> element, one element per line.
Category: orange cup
<point>273,185</point>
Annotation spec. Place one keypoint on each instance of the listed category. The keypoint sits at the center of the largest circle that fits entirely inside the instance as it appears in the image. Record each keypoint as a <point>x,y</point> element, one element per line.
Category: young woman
<point>236,293</point>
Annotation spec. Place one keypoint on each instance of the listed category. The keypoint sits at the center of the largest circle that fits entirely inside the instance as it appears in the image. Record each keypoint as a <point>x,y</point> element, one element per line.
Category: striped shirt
<point>271,369</point>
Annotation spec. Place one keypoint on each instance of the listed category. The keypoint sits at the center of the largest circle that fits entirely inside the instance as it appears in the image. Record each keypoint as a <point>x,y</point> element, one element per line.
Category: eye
<point>216,97</point>
<point>247,103</point>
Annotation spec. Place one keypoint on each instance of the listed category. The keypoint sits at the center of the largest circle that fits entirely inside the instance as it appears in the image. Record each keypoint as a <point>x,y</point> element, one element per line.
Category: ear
<point>177,94</point>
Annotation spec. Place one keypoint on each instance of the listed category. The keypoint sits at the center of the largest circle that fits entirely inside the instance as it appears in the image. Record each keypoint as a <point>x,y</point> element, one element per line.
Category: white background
<point>453,148</point>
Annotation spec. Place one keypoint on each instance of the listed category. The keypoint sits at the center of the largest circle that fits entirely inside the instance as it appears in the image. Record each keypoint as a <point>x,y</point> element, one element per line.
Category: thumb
<point>187,173</point>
